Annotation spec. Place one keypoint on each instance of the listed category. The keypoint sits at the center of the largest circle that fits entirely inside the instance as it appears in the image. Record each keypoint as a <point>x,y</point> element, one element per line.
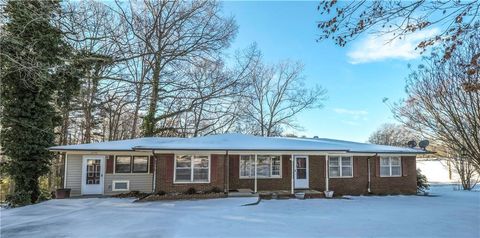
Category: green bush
<point>422,183</point>
<point>19,199</point>
<point>44,195</point>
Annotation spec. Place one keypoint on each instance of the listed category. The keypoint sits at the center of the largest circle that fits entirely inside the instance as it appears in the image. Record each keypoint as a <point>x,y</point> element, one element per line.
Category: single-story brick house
<point>229,162</point>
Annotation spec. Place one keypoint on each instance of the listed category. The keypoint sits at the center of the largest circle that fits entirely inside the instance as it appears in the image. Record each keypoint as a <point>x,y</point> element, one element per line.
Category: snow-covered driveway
<point>451,214</point>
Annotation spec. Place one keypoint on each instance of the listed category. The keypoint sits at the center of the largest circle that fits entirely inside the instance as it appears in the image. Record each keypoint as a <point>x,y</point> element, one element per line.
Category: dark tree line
<point>82,72</point>
<point>33,54</point>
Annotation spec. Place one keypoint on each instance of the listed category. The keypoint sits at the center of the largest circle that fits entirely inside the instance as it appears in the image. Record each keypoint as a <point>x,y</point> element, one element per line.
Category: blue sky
<point>357,77</point>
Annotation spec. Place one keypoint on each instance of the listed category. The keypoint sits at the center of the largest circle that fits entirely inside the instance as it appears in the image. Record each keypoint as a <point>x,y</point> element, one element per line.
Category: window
<point>268,166</point>
<point>192,169</point>
<point>390,167</point>
<point>123,164</point>
<point>131,164</point>
<point>339,166</point>
<point>120,185</point>
<point>140,164</point>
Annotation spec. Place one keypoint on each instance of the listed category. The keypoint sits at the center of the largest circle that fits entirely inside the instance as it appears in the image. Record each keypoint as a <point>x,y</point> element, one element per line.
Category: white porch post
<point>293,175</point>
<point>255,190</point>
<point>154,177</point>
<point>65,172</point>
<point>326,173</point>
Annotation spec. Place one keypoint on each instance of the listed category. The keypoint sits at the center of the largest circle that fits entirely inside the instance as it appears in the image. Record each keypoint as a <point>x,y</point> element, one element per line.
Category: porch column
<point>154,177</point>
<point>65,168</point>
<point>326,172</point>
<point>255,188</point>
<point>227,172</point>
<point>293,175</point>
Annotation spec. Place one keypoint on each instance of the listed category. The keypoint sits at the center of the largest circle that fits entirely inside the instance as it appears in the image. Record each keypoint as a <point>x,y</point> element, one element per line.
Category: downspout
<point>369,190</point>
<point>154,182</point>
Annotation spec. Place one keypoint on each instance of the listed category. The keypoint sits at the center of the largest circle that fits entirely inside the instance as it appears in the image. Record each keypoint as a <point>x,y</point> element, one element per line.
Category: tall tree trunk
<point>150,119</point>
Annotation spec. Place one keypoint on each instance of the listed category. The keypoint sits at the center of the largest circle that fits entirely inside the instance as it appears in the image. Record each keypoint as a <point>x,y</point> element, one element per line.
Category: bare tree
<point>392,134</point>
<point>467,172</point>
<point>276,94</point>
<point>92,28</point>
<point>174,32</point>
<point>438,105</point>
<point>344,21</point>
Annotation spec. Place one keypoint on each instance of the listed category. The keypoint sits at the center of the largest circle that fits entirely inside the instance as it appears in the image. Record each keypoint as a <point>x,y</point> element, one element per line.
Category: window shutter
<point>356,168</point>
<point>170,166</point>
<point>377,166</point>
<point>234,166</point>
<point>404,166</point>
<point>109,166</point>
<point>213,167</point>
<point>286,166</point>
<point>152,164</point>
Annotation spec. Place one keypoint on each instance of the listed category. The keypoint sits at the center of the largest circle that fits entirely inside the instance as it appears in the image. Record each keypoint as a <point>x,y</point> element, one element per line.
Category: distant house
<point>235,161</point>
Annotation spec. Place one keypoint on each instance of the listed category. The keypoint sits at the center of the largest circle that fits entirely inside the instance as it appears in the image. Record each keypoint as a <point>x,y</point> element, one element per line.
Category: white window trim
<point>390,167</point>
<point>120,181</point>
<point>340,158</point>
<point>258,176</point>
<point>191,170</point>
<point>131,164</point>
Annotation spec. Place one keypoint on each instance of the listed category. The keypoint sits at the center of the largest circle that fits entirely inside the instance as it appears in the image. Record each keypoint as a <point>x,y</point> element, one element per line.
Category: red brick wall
<point>164,175</point>
<point>316,170</point>
<point>263,183</point>
<point>406,184</point>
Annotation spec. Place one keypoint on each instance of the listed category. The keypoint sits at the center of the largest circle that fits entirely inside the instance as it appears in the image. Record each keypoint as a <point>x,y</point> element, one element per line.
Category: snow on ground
<point>450,214</point>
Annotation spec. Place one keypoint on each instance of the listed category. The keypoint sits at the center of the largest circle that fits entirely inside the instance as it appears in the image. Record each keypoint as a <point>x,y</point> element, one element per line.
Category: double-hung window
<point>390,167</point>
<point>192,169</point>
<point>268,166</point>
<point>340,166</point>
<point>131,164</point>
<point>123,164</point>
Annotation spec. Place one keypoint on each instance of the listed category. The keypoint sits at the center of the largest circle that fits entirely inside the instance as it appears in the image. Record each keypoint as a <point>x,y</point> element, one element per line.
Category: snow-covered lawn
<point>450,214</point>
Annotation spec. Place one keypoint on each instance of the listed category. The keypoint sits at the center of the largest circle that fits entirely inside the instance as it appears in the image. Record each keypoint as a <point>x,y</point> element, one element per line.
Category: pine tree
<point>32,51</point>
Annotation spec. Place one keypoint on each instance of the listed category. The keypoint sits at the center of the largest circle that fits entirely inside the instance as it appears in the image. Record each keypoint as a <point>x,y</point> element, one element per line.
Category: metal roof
<point>239,142</point>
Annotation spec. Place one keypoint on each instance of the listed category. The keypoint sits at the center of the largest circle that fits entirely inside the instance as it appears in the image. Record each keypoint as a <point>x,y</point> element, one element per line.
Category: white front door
<point>301,171</point>
<point>92,174</point>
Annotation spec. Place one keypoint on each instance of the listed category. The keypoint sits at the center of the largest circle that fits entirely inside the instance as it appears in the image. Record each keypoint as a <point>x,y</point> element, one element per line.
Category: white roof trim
<point>239,143</point>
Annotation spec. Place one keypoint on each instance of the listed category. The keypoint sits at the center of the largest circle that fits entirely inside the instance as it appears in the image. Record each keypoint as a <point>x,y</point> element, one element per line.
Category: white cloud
<point>353,116</point>
<point>377,48</point>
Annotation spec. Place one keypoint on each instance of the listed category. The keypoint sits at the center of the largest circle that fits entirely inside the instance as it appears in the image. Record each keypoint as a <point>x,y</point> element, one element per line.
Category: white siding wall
<point>138,182</point>
<point>74,174</point>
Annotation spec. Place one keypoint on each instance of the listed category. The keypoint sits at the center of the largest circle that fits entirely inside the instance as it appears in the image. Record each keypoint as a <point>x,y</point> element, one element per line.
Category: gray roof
<point>239,142</point>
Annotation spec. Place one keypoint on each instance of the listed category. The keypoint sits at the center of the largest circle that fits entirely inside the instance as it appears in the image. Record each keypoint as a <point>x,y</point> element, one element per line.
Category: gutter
<point>137,148</point>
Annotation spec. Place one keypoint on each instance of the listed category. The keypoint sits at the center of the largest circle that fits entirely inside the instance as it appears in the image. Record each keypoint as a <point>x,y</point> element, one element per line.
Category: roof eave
<point>93,150</point>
